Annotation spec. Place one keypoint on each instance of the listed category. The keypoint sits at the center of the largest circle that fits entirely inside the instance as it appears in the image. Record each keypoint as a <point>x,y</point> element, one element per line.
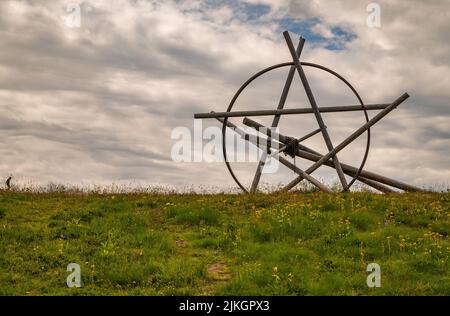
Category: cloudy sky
<point>98,103</point>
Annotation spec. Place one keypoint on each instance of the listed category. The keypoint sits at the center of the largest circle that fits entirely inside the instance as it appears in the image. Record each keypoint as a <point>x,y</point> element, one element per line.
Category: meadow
<point>224,244</point>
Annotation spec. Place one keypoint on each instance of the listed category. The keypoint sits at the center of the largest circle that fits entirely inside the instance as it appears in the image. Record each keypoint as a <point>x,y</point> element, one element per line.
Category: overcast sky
<point>97,103</point>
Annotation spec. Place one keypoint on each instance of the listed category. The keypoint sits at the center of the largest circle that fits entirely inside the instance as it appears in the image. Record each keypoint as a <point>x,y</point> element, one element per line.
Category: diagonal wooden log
<point>349,139</point>
<point>305,153</point>
<point>309,154</point>
<point>378,186</point>
<point>276,118</point>
<point>283,148</point>
<point>315,108</point>
<point>284,161</point>
<point>307,176</point>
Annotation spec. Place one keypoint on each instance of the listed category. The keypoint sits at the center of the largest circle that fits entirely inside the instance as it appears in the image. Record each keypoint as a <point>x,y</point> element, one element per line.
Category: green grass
<point>169,244</point>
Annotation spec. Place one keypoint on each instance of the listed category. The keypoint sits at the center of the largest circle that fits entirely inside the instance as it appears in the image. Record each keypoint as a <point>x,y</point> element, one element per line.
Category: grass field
<point>289,244</point>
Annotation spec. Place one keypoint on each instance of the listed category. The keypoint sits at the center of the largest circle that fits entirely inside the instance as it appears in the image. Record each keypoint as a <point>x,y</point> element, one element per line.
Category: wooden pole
<point>349,139</point>
<point>276,118</point>
<point>324,109</point>
<point>316,111</point>
<point>284,161</point>
<point>309,154</point>
<point>293,167</point>
<point>378,186</point>
<point>351,171</point>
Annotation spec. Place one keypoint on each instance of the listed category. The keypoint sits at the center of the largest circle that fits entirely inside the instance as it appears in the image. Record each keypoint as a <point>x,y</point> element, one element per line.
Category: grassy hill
<point>288,244</point>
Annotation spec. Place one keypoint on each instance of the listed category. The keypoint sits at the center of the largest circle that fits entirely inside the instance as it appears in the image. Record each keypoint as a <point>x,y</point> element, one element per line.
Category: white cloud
<point>98,103</point>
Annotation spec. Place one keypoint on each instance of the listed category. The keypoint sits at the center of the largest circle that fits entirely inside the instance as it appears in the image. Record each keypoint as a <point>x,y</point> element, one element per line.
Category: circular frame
<point>245,84</point>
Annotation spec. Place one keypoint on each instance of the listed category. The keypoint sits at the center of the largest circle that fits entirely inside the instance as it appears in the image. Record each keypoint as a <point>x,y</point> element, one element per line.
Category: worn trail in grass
<point>289,244</point>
